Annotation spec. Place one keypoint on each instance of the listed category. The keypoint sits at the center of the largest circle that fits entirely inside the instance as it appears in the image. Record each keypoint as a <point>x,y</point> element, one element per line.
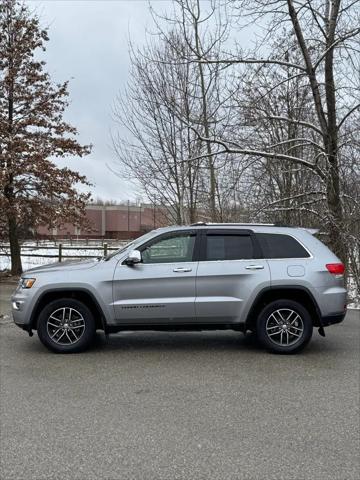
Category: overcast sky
<point>89,45</point>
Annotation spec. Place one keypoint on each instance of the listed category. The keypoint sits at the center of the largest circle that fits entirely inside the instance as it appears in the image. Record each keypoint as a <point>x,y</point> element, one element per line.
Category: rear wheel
<point>284,326</point>
<point>66,326</point>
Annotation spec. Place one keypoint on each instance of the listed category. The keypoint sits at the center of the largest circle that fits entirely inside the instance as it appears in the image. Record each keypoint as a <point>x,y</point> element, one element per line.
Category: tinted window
<point>228,247</point>
<point>174,249</point>
<point>281,246</point>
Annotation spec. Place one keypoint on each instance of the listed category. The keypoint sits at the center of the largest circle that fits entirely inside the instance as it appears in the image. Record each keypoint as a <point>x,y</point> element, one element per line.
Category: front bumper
<point>24,326</point>
<point>21,302</point>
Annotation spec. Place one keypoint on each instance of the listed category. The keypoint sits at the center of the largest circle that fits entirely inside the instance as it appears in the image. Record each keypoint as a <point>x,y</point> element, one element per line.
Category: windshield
<point>132,244</point>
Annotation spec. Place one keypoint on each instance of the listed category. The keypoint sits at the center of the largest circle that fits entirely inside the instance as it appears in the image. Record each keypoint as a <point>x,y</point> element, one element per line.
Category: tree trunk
<point>336,224</point>
<point>336,228</point>
<point>205,120</point>
<point>192,205</point>
<point>15,254</point>
<point>15,251</point>
<point>213,212</point>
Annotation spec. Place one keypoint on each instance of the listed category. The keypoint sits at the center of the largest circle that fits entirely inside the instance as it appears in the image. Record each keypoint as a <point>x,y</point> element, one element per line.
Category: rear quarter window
<point>276,245</point>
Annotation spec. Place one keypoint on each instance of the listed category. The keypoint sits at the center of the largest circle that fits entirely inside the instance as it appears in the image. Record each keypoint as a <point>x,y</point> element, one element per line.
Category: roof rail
<point>275,224</point>
<point>232,223</point>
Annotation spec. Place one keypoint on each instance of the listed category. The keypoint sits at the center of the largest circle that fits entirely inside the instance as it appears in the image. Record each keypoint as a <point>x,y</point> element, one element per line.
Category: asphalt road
<point>180,406</point>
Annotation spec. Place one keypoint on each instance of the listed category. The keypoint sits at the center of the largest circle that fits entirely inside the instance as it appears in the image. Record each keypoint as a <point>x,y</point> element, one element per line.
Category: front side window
<point>276,245</point>
<point>229,247</point>
<point>173,249</point>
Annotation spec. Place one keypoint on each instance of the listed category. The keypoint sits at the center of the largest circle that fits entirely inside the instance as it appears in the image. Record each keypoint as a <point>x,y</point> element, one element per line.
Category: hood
<point>61,266</point>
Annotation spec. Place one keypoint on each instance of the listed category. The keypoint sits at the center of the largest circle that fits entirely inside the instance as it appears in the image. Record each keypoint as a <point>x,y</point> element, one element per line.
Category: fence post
<point>105,249</point>
<point>60,252</point>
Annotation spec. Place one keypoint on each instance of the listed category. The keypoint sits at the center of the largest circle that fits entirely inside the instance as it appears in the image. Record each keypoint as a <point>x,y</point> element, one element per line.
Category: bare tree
<point>158,140</point>
<point>326,34</point>
<point>282,191</point>
<point>165,98</point>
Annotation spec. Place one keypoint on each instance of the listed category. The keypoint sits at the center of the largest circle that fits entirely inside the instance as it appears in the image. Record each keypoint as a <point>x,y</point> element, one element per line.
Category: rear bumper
<point>332,319</point>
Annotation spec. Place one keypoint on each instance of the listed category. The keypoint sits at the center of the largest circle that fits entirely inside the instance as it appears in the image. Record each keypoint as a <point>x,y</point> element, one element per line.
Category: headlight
<point>27,282</point>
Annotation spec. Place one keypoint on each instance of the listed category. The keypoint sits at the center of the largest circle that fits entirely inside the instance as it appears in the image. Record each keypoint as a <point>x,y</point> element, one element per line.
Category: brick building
<point>112,221</point>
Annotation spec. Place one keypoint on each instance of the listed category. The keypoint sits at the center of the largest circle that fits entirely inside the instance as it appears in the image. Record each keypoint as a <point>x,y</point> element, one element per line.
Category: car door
<point>229,276</point>
<point>162,287</point>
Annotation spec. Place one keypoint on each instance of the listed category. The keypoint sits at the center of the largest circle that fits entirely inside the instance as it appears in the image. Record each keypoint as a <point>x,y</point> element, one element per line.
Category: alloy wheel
<point>284,327</point>
<point>65,326</point>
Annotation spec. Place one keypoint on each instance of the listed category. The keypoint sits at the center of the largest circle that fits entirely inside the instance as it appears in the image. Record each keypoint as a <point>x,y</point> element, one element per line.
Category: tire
<point>69,333</point>
<point>284,326</point>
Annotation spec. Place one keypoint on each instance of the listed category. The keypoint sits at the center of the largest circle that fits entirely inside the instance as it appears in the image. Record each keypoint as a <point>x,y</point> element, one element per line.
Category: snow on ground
<point>30,262</point>
<point>355,299</point>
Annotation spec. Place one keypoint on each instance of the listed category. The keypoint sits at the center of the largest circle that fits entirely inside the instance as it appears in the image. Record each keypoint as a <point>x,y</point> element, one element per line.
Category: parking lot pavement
<point>186,406</point>
<point>5,307</point>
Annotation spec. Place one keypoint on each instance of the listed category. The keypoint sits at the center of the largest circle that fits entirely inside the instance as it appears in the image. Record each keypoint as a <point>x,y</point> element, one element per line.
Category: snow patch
<point>32,249</point>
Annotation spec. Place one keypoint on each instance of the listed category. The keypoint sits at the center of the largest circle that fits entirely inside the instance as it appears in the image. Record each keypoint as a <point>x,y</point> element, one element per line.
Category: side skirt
<point>176,327</point>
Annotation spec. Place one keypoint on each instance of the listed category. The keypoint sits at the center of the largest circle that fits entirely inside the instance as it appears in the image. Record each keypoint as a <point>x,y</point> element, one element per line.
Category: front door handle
<point>255,267</point>
<point>182,269</point>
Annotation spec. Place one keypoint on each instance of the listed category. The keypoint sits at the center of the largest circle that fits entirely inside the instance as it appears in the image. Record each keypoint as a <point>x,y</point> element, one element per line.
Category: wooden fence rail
<point>104,249</point>
<point>65,247</point>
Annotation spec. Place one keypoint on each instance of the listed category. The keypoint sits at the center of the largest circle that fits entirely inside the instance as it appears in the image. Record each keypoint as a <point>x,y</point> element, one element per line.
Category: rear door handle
<point>255,267</point>
<point>182,269</point>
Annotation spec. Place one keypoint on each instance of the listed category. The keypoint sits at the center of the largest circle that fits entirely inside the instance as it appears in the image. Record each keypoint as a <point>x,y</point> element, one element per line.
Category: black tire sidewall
<point>276,305</point>
<point>87,337</point>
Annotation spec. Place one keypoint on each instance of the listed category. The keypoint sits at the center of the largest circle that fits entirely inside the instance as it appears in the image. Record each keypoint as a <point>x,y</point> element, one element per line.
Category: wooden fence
<point>59,251</point>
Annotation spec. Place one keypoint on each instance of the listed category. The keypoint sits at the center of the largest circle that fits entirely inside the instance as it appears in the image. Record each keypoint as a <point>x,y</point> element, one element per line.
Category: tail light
<point>337,269</point>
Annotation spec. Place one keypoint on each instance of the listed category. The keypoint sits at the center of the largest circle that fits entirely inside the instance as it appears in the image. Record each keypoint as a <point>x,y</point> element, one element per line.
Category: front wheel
<point>66,326</point>
<point>284,326</point>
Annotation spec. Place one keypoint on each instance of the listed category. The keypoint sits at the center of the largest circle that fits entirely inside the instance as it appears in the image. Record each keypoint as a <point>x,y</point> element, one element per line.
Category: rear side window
<point>228,247</point>
<point>281,246</point>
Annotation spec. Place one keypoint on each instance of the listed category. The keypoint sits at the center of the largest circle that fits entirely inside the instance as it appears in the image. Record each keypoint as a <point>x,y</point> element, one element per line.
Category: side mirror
<point>133,257</point>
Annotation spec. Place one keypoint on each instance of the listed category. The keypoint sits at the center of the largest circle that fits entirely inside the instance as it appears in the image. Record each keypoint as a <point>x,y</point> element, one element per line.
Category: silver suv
<point>277,282</point>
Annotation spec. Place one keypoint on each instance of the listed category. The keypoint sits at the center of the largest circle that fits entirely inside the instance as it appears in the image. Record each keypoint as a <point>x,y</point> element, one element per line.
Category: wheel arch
<point>270,294</point>
<point>81,294</point>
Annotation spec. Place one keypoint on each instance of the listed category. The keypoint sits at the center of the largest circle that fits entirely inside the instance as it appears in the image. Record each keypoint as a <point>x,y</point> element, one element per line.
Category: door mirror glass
<point>133,257</point>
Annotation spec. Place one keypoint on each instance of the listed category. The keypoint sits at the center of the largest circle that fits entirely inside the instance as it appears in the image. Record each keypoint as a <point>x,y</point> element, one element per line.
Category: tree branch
<point>246,151</point>
<point>348,115</point>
